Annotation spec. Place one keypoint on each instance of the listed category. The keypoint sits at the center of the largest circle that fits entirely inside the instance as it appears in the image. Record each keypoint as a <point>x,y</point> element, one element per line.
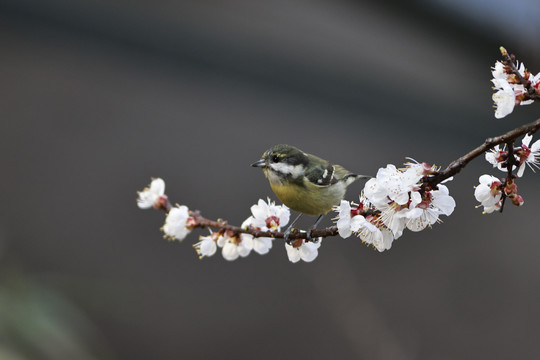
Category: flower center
<point>272,222</point>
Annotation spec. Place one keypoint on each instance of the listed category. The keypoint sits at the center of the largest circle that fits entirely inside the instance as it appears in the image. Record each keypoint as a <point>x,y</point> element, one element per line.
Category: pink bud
<point>191,222</point>
<point>161,203</point>
<point>517,200</point>
<point>510,188</point>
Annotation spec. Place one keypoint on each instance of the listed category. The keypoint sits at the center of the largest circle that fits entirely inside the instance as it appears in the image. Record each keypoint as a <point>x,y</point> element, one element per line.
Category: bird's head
<point>282,162</point>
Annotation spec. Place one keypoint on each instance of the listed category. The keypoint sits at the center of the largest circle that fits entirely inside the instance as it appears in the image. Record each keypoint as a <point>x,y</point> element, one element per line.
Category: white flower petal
<point>208,247</point>
<point>526,140</point>
<point>175,223</point>
<point>521,170</point>
<point>535,147</point>
<point>262,245</point>
<point>357,222</point>
<point>292,253</point>
<point>150,194</point>
<point>504,98</point>
<point>230,251</point>
<point>309,251</point>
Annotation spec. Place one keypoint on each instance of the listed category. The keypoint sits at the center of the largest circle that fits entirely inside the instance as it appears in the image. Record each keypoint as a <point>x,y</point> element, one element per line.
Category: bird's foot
<point>287,235</point>
<point>310,238</point>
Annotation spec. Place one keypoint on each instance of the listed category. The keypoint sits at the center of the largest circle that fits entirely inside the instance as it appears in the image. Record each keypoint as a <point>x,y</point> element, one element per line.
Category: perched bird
<point>305,182</point>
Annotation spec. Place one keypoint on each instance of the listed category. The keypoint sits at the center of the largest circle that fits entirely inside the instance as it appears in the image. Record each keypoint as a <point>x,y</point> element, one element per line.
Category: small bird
<point>305,182</point>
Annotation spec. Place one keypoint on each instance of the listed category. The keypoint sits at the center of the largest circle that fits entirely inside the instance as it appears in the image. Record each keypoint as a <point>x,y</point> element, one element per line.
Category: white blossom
<point>175,226</point>
<point>508,91</point>
<point>528,155</point>
<point>380,237</point>
<point>403,203</point>
<point>497,157</point>
<point>346,223</point>
<point>266,216</point>
<point>488,193</point>
<point>206,246</point>
<point>235,246</point>
<point>262,245</point>
<point>426,212</point>
<point>391,191</point>
<point>499,72</point>
<point>269,215</point>
<point>394,217</point>
<point>504,98</point>
<point>535,81</point>
<point>151,193</point>
<point>392,183</point>
<point>307,252</point>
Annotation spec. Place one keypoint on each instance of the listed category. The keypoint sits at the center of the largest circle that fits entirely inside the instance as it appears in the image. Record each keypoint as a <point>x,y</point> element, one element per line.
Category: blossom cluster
<point>510,90</point>
<point>523,156</point>
<point>265,216</point>
<point>396,199</point>
<point>492,191</point>
<point>393,201</point>
<point>178,223</point>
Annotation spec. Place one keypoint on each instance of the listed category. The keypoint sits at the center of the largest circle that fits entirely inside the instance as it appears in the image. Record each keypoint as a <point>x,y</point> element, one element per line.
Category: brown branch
<point>457,165</point>
<point>222,225</point>
<point>199,221</point>
<point>196,220</point>
<point>510,161</point>
<point>430,182</point>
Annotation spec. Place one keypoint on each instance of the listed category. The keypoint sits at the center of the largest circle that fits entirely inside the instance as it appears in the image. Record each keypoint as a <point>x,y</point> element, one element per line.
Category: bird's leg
<point>287,232</point>
<point>309,238</point>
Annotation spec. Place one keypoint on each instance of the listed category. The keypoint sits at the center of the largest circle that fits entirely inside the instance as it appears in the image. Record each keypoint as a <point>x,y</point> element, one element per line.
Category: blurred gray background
<point>98,96</point>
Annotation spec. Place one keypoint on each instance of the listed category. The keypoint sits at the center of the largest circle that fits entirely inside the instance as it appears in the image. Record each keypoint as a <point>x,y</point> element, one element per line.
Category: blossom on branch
<point>514,85</point>
<point>396,199</point>
<point>497,157</point>
<point>302,250</point>
<point>269,216</point>
<point>489,193</point>
<point>207,245</point>
<point>403,202</point>
<point>235,246</point>
<point>178,223</point>
<point>153,195</point>
<point>266,216</point>
<point>504,98</point>
<point>348,219</point>
<point>528,155</point>
<point>372,232</point>
<point>425,211</point>
<point>523,156</point>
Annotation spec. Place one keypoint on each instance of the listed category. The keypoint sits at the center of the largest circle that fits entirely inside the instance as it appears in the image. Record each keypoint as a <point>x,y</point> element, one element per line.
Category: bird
<point>304,182</point>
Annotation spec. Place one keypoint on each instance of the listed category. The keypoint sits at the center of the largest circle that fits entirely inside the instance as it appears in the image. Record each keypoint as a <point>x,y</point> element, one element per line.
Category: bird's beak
<point>260,163</point>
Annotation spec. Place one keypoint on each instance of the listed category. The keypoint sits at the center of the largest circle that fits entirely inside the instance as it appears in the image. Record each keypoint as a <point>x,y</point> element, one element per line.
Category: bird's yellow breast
<point>309,199</point>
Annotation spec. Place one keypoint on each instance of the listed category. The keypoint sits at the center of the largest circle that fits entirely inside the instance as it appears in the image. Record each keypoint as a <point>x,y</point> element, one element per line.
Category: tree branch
<point>457,165</point>
<point>509,60</point>
<point>430,182</point>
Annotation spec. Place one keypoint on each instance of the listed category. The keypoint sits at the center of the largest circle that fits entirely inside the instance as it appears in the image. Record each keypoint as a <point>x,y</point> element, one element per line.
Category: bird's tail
<point>350,178</point>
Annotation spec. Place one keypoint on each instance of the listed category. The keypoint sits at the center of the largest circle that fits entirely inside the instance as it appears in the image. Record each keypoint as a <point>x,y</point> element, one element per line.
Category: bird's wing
<point>322,175</point>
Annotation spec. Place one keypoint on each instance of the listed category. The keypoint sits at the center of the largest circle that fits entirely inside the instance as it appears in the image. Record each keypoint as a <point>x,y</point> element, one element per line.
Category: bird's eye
<point>275,158</point>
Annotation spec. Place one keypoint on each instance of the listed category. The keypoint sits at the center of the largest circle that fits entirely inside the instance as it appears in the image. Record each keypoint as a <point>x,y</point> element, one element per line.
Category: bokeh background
<point>98,96</point>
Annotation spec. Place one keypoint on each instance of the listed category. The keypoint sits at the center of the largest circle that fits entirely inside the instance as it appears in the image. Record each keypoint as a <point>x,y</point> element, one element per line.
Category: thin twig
<point>222,225</point>
<point>457,165</point>
<point>509,60</point>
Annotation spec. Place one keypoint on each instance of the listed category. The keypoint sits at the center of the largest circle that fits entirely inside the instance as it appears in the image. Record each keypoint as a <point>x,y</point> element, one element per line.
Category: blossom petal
<point>292,253</point>
<point>230,251</point>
